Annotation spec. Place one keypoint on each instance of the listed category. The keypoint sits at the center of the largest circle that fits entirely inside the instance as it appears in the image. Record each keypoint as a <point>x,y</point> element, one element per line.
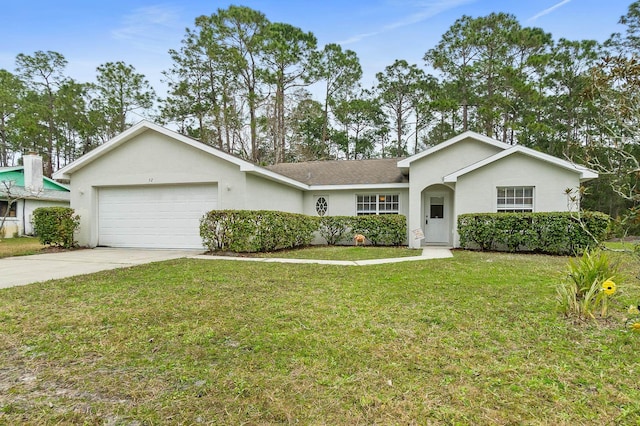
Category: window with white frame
<point>515,199</point>
<point>322,205</point>
<point>377,204</point>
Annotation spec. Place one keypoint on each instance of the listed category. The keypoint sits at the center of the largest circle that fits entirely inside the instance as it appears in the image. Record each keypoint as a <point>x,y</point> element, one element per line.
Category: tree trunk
<point>3,144</point>
<point>465,112</point>
<point>399,132</point>
<point>325,117</point>
<point>281,125</point>
<point>225,114</point>
<point>415,147</point>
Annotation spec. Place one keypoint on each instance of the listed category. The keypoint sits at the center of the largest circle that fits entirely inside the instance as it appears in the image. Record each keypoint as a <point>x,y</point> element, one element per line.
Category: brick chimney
<point>33,173</point>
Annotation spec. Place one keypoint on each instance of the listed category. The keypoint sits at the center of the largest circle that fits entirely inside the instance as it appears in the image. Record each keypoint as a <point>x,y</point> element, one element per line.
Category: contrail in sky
<point>429,10</point>
<point>549,10</point>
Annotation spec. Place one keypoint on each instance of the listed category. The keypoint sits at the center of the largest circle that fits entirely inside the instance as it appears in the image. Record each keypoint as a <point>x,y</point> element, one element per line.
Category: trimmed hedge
<point>255,230</point>
<point>244,231</point>
<point>55,225</point>
<point>335,228</point>
<point>552,233</point>
<point>380,230</point>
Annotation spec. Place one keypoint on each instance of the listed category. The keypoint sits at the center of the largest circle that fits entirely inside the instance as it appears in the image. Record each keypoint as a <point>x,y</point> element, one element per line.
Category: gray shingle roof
<point>343,172</point>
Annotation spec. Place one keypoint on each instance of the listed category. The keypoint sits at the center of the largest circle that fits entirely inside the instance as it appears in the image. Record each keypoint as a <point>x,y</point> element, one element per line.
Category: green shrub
<point>382,230</point>
<point>265,230</point>
<point>476,229</point>
<point>55,226</point>
<point>255,230</point>
<point>513,231</point>
<point>335,228</point>
<point>553,233</point>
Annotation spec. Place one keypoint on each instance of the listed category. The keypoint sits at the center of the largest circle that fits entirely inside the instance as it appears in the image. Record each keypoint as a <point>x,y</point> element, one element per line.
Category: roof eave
<point>588,174</point>
<point>276,177</point>
<point>58,184</point>
<point>11,169</point>
<point>585,173</point>
<point>359,186</point>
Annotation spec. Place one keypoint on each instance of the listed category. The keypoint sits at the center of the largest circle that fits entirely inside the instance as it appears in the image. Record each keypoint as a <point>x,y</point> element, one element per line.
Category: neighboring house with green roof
<point>22,190</point>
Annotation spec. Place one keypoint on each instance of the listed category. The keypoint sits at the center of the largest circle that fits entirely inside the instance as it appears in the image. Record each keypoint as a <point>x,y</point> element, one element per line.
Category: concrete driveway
<point>23,270</point>
<point>43,267</point>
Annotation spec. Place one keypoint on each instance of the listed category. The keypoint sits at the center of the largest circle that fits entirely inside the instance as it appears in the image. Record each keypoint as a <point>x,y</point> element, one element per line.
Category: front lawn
<point>469,340</point>
<point>19,246</point>
<point>344,253</point>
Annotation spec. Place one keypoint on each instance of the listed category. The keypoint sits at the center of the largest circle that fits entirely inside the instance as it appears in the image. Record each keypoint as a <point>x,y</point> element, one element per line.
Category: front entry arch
<point>437,215</point>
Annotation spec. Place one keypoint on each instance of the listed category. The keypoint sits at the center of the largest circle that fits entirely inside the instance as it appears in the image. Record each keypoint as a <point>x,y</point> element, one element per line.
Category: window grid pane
<point>377,204</point>
<point>515,199</point>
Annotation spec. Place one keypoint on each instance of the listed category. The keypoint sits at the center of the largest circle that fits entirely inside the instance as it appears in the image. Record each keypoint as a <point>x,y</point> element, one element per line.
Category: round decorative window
<point>321,206</point>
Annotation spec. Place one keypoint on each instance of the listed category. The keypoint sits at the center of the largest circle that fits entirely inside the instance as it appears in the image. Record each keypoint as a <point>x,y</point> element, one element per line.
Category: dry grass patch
<point>19,246</point>
<point>469,340</point>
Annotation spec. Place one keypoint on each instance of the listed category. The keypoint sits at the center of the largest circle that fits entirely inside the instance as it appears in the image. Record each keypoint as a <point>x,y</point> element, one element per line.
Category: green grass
<point>621,245</point>
<point>19,246</point>
<point>344,253</point>
<point>469,340</point>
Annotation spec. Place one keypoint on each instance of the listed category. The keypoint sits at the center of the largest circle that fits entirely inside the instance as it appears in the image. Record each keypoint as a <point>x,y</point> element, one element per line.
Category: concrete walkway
<point>21,270</point>
<point>427,253</point>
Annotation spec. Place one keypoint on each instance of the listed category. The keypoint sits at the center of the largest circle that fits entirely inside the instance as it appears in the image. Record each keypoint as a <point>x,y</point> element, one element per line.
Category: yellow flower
<point>633,310</point>
<point>635,327</point>
<point>609,287</point>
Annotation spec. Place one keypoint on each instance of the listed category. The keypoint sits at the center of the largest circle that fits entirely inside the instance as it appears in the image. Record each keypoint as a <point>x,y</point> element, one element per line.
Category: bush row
<point>55,226</point>
<point>255,230</point>
<point>552,233</point>
<point>384,230</point>
<point>265,230</point>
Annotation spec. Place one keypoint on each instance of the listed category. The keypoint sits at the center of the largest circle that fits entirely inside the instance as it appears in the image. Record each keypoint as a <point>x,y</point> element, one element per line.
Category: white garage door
<point>153,216</point>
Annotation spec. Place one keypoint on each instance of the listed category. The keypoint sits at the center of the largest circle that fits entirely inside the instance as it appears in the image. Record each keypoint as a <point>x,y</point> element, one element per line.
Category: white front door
<point>436,222</point>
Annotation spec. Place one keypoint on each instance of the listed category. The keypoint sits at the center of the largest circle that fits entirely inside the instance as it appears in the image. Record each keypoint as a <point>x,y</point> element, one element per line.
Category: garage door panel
<point>154,216</point>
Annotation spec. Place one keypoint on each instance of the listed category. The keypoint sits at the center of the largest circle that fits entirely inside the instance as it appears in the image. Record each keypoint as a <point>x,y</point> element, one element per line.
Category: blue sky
<point>140,32</point>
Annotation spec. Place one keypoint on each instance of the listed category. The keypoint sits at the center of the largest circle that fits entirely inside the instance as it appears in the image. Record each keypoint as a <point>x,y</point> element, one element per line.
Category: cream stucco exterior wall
<point>476,192</point>
<point>343,202</point>
<point>152,158</point>
<point>263,194</point>
<point>430,170</point>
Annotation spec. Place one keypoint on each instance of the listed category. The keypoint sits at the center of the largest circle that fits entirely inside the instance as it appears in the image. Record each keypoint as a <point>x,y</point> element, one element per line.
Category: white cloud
<point>151,28</point>
<point>425,11</point>
<point>548,10</point>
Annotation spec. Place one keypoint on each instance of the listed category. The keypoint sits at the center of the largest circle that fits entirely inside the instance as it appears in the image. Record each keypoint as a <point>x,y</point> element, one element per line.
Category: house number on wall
<point>150,180</point>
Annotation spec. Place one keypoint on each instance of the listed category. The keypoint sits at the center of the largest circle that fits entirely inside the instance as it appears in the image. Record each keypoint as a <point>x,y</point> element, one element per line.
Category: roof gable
<point>143,126</point>
<point>585,173</point>
<point>127,135</point>
<point>461,137</point>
